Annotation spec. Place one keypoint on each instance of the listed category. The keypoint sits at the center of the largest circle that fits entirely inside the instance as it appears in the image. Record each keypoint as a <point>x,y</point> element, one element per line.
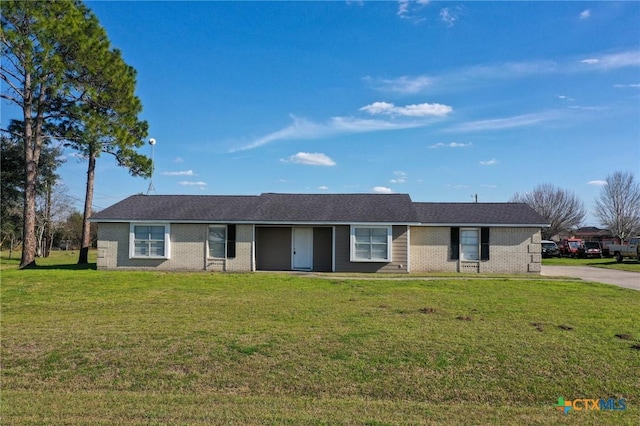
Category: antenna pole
<point>151,188</point>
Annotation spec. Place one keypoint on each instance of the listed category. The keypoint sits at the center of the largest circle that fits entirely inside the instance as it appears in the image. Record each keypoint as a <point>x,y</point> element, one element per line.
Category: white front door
<point>302,248</point>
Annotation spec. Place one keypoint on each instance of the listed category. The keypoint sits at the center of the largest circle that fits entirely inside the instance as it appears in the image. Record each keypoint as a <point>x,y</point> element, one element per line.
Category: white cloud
<point>489,186</point>
<point>404,84</point>
<point>478,74</point>
<point>416,110</point>
<point>491,162</point>
<point>634,86</point>
<point>448,16</point>
<point>585,14</point>
<point>178,160</point>
<point>617,60</point>
<point>597,182</point>
<point>305,129</point>
<point>403,7</point>
<point>506,123</point>
<point>311,159</point>
<point>450,145</point>
<point>323,188</point>
<point>190,183</point>
<point>181,173</point>
<point>407,9</point>
<point>382,190</point>
<point>400,177</point>
<point>339,125</point>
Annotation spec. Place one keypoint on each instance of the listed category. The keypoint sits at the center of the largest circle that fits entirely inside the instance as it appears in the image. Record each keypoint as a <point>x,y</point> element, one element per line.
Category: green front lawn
<point>631,265</point>
<point>94,347</point>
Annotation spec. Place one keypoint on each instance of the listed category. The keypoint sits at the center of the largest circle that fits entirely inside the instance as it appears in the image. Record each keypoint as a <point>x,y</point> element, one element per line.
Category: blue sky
<point>440,100</point>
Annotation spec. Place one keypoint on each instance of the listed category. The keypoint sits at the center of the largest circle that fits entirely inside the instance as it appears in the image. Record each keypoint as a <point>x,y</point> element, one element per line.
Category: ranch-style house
<point>317,232</point>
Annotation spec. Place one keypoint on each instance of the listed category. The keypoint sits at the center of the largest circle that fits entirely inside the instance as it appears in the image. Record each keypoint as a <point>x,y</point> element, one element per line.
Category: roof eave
<point>488,224</point>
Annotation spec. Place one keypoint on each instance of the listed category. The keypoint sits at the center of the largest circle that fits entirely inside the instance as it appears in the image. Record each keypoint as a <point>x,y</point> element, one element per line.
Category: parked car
<point>630,249</point>
<point>570,247</point>
<point>550,249</point>
<point>590,249</point>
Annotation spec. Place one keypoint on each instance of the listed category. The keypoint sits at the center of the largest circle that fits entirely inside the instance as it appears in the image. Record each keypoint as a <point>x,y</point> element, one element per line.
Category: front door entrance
<point>302,249</point>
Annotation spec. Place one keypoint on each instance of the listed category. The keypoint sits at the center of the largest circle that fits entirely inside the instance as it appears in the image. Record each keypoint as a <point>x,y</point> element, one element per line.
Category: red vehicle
<point>570,247</point>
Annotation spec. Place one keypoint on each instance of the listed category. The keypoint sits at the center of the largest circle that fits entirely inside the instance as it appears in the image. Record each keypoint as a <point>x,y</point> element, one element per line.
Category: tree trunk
<point>88,200</point>
<point>47,224</point>
<point>31,158</point>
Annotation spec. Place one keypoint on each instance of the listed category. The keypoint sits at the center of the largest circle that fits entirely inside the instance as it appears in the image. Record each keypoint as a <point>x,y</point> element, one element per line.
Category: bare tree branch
<point>618,206</point>
<point>559,207</point>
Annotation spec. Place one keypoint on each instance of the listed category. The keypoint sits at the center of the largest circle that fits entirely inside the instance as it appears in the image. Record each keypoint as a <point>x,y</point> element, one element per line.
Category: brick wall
<point>188,249</point>
<point>512,251</point>
<point>429,250</point>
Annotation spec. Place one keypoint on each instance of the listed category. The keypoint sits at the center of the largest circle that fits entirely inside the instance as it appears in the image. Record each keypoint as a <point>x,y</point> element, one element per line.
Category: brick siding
<point>188,249</point>
<point>512,251</point>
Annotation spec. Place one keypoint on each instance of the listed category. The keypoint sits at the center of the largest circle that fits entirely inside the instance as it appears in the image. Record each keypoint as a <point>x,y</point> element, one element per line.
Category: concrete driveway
<point>601,275</point>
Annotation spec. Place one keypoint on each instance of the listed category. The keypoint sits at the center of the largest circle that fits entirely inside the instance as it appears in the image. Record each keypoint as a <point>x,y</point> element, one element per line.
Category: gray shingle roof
<point>478,214</point>
<point>310,208</point>
<point>182,208</point>
<point>337,208</point>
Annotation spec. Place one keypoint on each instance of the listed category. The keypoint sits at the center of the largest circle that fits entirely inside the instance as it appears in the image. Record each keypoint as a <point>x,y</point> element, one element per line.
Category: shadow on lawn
<point>614,262</point>
<point>67,267</point>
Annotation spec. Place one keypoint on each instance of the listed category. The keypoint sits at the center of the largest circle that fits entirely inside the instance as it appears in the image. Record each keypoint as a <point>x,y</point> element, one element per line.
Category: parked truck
<point>630,249</point>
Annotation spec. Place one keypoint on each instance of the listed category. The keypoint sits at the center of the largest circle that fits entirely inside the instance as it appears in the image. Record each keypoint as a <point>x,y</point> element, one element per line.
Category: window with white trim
<point>370,243</point>
<point>218,241</point>
<point>149,241</point>
<point>470,244</point>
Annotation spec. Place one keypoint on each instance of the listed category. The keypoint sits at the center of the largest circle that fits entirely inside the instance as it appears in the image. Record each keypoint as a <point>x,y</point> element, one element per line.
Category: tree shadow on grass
<point>67,267</point>
<point>614,262</point>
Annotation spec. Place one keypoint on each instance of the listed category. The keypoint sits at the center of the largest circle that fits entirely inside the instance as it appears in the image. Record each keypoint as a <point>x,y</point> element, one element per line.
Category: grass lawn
<point>81,346</point>
<point>631,265</point>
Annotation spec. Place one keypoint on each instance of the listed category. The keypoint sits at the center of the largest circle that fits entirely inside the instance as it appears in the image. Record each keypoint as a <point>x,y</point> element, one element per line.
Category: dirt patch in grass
<point>463,318</point>
<point>538,325</point>
<point>427,310</point>
<point>565,327</point>
<point>624,336</point>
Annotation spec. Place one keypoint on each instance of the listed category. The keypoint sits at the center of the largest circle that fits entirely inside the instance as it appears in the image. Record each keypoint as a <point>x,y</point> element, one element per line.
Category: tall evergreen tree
<point>105,120</point>
<point>12,179</point>
<point>57,57</point>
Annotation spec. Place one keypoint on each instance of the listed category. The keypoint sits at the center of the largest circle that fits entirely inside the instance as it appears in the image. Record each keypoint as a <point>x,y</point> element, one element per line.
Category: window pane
<point>157,232</point>
<point>379,251</point>
<point>363,251</point>
<point>379,238</point>
<point>469,244</point>
<point>371,243</point>
<point>141,248</point>
<point>216,249</point>
<point>469,236</point>
<point>217,234</point>
<point>149,240</point>
<point>156,248</point>
<point>141,232</point>
<point>363,235</point>
<point>469,252</point>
